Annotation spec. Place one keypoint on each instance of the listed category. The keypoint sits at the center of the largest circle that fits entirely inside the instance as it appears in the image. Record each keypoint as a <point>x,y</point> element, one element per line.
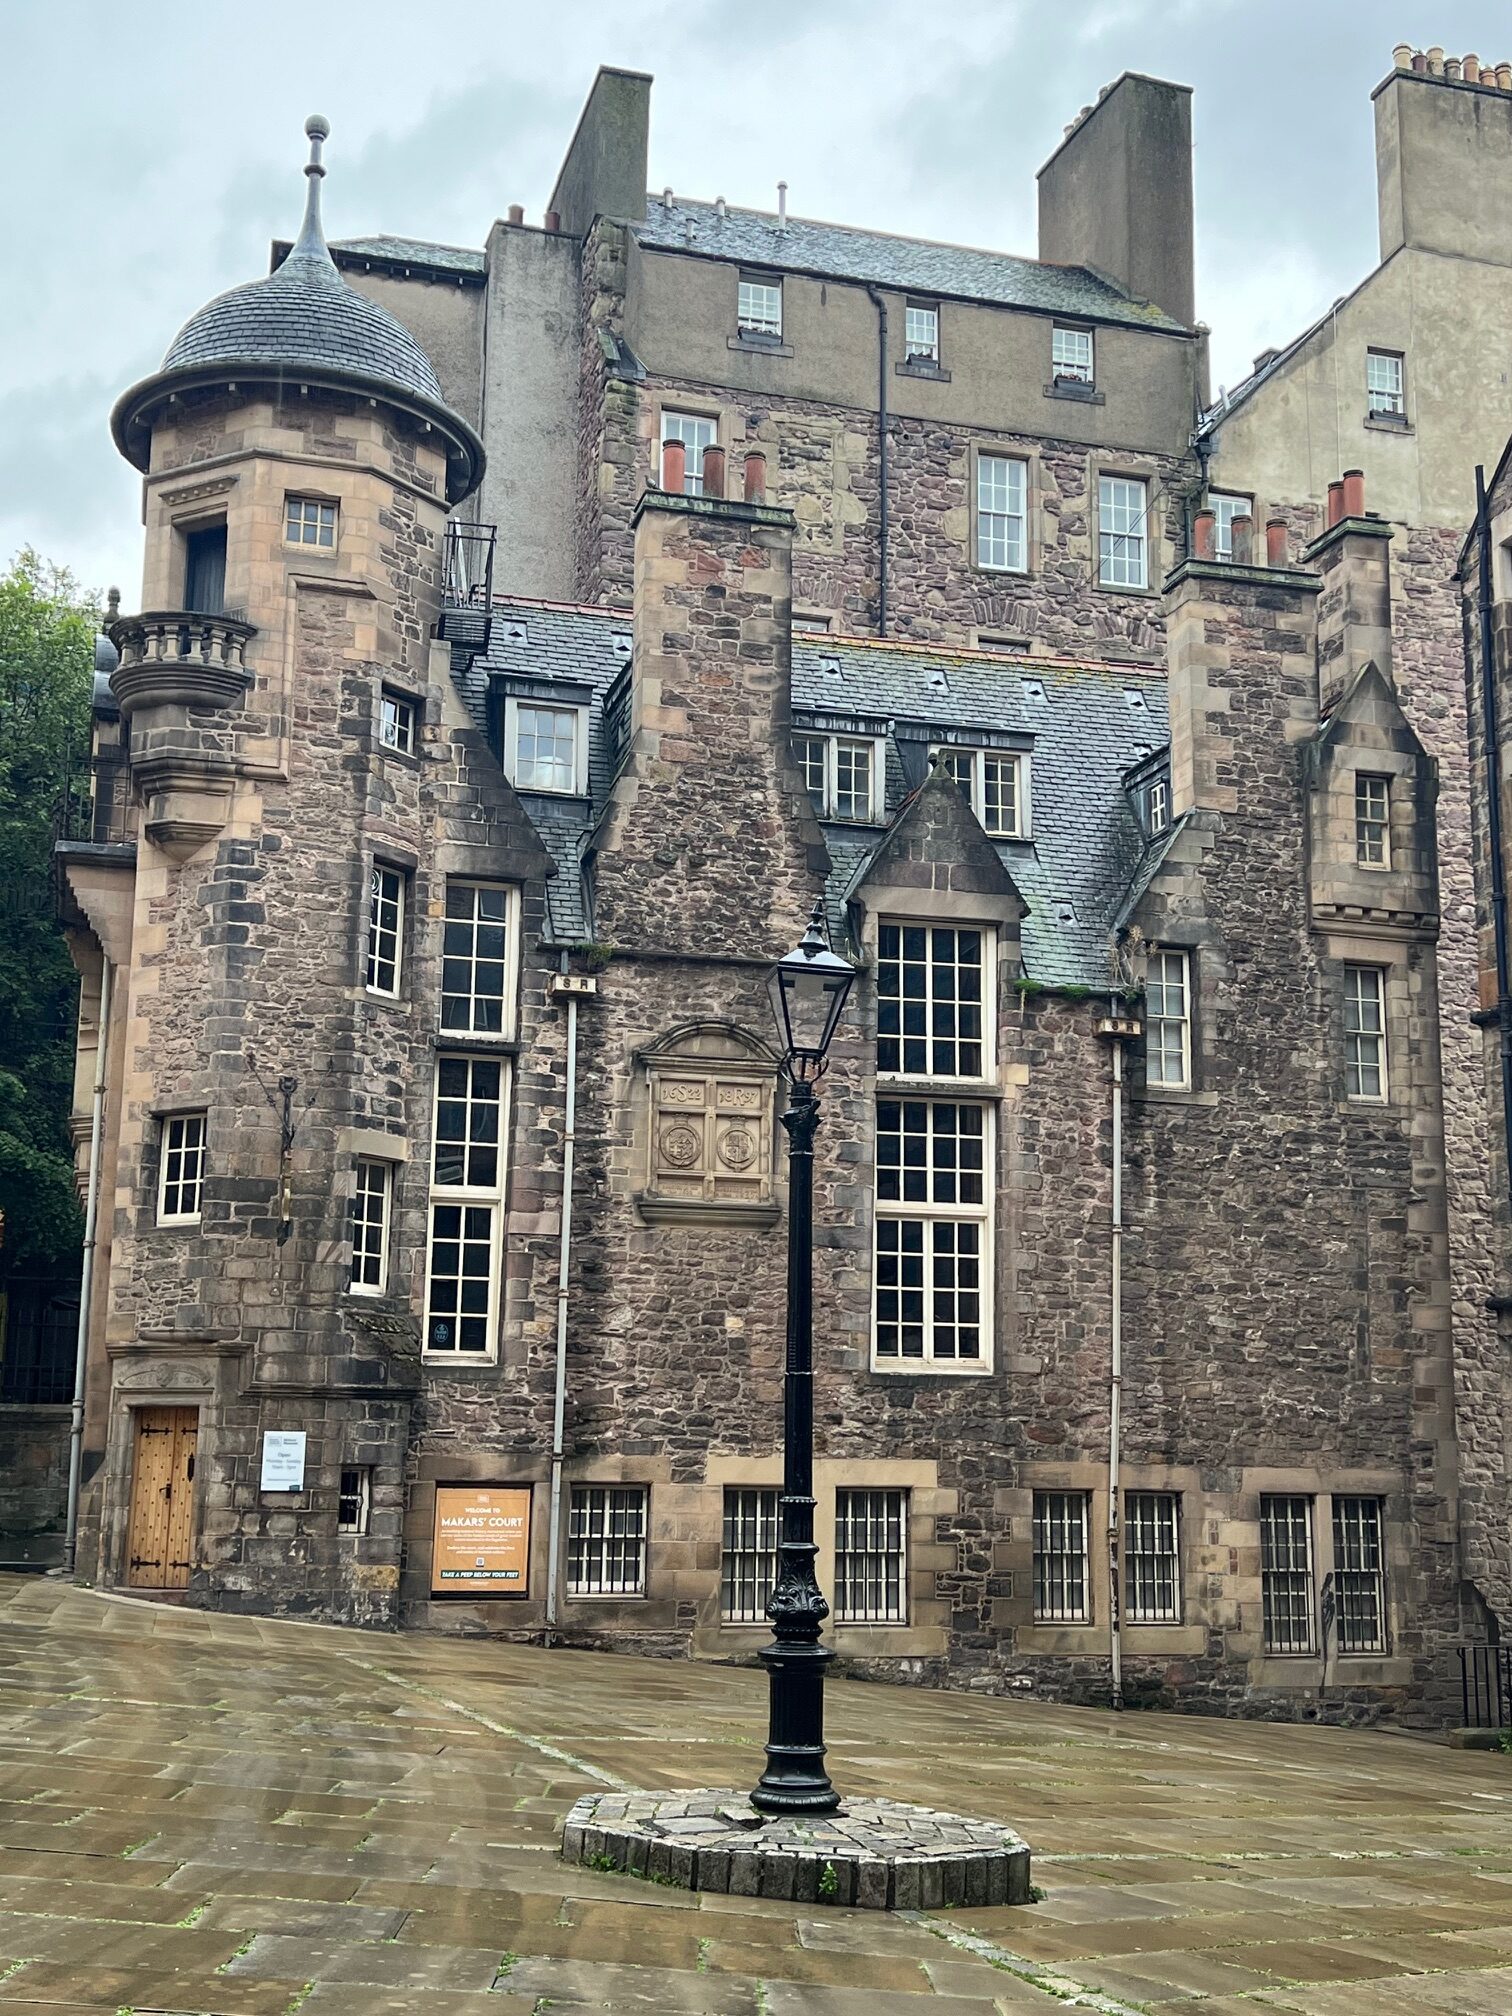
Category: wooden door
<point>162,1498</point>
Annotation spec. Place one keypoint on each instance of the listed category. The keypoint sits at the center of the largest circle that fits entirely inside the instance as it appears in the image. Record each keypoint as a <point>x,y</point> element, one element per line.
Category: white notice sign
<point>283,1459</point>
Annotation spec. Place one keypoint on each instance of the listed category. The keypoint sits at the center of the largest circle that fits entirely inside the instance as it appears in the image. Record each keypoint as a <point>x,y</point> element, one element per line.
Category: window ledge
<point>929,1368</point>
<point>760,346</point>
<point>1172,1095</point>
<point>1386,423</point>
<point>905,1085</point>
<point>706,1211</point>
<point>1071,388</point>
<point>1014,573</point>
<point>1112,588</point>
<point>470,1043</point>
<point>913,367</point>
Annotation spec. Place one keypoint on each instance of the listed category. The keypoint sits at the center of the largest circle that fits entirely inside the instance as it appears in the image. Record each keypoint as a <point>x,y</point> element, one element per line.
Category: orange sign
<point>481,1542</point>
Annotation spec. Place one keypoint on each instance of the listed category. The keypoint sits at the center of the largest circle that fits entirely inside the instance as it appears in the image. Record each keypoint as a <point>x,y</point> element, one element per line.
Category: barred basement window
<point>354,1501</point>
<point>309,522</point>
<point>1152,1558</point>
<point>1002,513</point>
<point>385,932</point>
<point>1286,1574</point>
<point>930,993</point>
<point>396,722</point>
<point>1060,1557</point>
<point>370,1216</point>
<point>1168,1020</point>
<point>606,1540</point>
<point>1372,821</point>
<point>475,994</point>
<point>1071,354</point>
<point>1364,1033</point>
<point>933,1233</point>
<point>997,785</point>
<point>1121,536</point>
<point>467,1206</point>
<point>871,1557</point>
<point>759,307</point>
<point>1359,1585</point>
<point>181,1178</point>
<point>748,1562</point>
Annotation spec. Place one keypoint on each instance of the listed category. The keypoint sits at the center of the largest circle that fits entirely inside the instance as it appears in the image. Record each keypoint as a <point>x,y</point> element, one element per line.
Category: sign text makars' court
<point>481,1542</point>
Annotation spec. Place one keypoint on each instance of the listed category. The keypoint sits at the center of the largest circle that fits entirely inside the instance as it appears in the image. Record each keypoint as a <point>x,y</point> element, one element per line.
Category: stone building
<point>425,929</point>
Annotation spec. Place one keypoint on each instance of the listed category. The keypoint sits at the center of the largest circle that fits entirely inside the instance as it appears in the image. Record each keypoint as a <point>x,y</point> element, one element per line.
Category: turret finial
<point>311,239</point>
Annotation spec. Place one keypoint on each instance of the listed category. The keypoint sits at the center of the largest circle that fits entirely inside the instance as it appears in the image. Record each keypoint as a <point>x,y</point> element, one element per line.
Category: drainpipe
<point>1493,811</point>
<point>564,1260</point>
<point>86,1276</point>
<point>883,445</point>
<point>1115,1391</point>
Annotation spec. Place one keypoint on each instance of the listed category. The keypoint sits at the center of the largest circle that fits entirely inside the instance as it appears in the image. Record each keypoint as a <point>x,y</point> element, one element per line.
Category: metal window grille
<point>1359,1585</point>
<point>1372,821</point>
<point>932,1232</point>
<point>1159,805</point>
<point>1364,1032</point>
<point>748,1562</point>
<point>467,1179</point>
<point>759,308</point>
<point>183,1175</point>
<point>930,1001</point>
<point>606,1540</point>
<point>475,958</point>
<point>1002,487</point>
<point>396,722</point>
<point>546,748</point>
<point>1384,387</point>
<point>871,1557</point>
<point>921,333</point>
<point>308,522</point>
<point>1071,354</point>
<point>1486,1686</point>
<point>1286,1574</point>
<point>1168,1020</point>
<point>1152,1557</point>
<point>40,1343</point>
<point>385,936</point>
<point>354,1500</point>
<point>1060,1557</point>
<point>696,432</point>
<point>370,1208</point>
<point>1121,532</point>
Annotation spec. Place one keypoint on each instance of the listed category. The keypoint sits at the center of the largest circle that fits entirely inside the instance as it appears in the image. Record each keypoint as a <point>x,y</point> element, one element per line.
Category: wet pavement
<point>207,1814</point>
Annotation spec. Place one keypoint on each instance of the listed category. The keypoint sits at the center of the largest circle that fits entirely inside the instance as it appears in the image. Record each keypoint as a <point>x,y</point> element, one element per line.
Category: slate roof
<point>839,251</point>
<point>1084,725</point>
<point>414,252</point>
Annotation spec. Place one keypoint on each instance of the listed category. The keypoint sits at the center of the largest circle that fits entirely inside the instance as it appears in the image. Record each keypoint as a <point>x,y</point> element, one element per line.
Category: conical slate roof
<point>303,322</point>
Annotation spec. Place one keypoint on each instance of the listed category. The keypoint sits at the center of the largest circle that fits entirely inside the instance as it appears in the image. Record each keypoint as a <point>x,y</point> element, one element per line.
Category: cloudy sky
<point>152,150</point>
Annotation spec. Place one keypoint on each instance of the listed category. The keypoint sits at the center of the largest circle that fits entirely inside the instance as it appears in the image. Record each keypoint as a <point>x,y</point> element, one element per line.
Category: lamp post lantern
<point>808,989</point>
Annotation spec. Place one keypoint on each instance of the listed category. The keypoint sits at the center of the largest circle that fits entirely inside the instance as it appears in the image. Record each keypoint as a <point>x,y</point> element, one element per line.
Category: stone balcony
<point>176,658</point>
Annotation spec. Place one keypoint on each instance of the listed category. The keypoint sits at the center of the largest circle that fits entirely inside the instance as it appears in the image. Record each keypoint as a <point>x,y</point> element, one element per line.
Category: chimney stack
<point>1352,558</point>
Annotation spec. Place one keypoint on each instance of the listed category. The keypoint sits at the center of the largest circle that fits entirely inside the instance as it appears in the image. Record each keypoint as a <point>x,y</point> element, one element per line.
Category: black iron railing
<point>1486,1686</point>
<point>469,564</point>
<point>40,1341</point>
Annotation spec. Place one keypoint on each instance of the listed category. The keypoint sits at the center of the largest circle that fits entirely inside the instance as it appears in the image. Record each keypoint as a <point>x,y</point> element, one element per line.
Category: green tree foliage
<point>46,671</point>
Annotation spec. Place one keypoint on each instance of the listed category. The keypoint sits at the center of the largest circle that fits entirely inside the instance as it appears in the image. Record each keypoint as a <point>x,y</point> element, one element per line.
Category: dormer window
<point>1158,805</point>
<point>1372,821</point>
<point>996,782</point>
<point>309,521</point>
<point>759,306</point>
<point>546,747</point>
<point>1071,355</point>
<point>843,772</point>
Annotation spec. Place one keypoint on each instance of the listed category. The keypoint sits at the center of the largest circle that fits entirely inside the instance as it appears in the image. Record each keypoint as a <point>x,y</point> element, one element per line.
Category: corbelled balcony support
<point>176,658</point>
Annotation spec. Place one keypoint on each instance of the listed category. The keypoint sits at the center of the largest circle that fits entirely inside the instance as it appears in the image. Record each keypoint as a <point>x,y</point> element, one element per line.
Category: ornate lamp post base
<point>795,1780</point>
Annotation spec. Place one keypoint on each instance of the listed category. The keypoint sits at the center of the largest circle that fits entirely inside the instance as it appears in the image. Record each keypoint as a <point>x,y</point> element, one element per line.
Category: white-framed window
<point>1386,384</point>
<point>354,1499</point>
<point>546,747</point>
<point>466,1208</point>
<point>748,1558</point>
<point>844,773</point>
<point>1071,354</point>
<point>696,431</point>
<point>1372,821</point>
<point>1286,1573</point>
<point>1226,506</point>
<point>933,1234</point>
<point>996,782</point>
<point>309,522</point>
<point>814,626</point>
<point>1168,1019</point>
<point>758,310</point>
<point>385,929</point>
<point>1158,804</point>
<point>372,1191</point>
<point>476,996</point>
<point>921,332</point>
<point>871,1557</point>
<point>396,721</point>
<point>1002,493</point>
<point>1365,1032</point>
<point>606,1540</point>
<point>1359,1575</point>
<point>181,1175</point>
<point>1121,535</point>
<point>1060,1558</point>
<point>1152,1557</point>
<point>931,1001</point>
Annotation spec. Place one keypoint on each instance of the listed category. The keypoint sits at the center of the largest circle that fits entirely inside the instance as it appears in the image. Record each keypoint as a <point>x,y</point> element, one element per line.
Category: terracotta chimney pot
<point>1335,503</point>
<point>1402,55</point>
<point>1276,554</point>
<point>1242,534</point>
<point>1452,69</point>
<point>1435,61</point>
<point>1204,545</point>
<point>1470,69</point>
<point>517,213</point>
<point>1354,493</point>
<point>1504,76</point>
<point>1419,63</point>
<point>714,473</point>
<point>674,467</point>
<point>755,477</point>
<point>553,220</point>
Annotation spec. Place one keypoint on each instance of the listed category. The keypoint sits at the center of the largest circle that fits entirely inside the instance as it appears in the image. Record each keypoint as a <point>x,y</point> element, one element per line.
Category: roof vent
<point>937,682</point>
<point>622,644</point>
<point>1034,689</point>
<point>720,208</point>
<point>516,633</point>
<point>830,667</point>
<point>1136,700</point>
<point>1065,911</point>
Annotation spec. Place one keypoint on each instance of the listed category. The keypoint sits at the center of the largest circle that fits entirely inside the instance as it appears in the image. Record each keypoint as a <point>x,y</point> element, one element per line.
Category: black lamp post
<point>808,990</point>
